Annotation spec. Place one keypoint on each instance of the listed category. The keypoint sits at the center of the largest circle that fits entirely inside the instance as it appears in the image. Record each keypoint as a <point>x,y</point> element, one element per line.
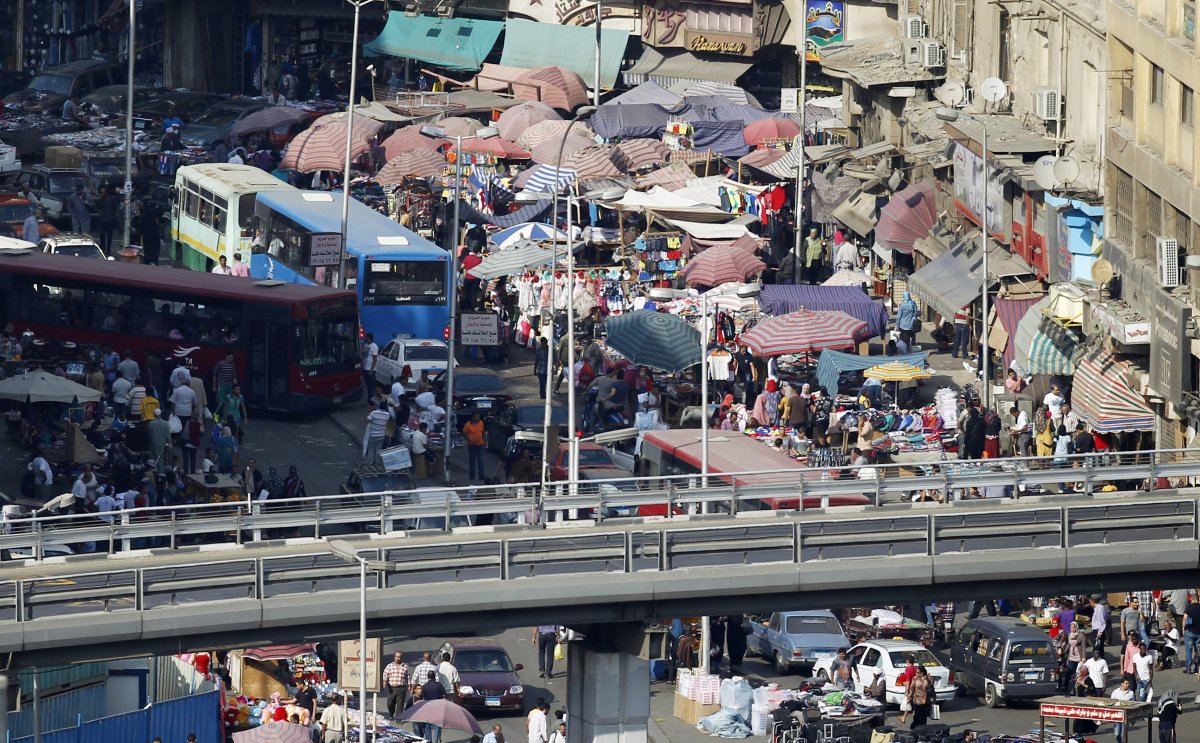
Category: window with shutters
<point>1180,225</point>
<point>1123,207</point>
<point>1151,222</point>
<point>963,18</point>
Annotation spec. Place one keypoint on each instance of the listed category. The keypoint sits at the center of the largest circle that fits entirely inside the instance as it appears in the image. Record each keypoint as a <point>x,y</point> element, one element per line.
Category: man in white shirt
<point>1054,403</point>
<point>537,724</point>
<point>420,441</point>
<point>370,356</point>
<point>128,368</point>
<point>105,505</point>
<point>448,675</point>
<point>1020,431</point>
<point>496,736</point>
<point>333,722</point>
<point>120,390</point>
<point>222,267</point>
<point>184,401</point>
<point>43,477</point>
<point>1097,669</point>
<point>1123,693</point>
<point>1143,669</point>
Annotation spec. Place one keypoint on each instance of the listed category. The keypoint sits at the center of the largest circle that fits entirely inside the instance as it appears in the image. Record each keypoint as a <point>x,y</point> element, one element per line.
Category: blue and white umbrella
<point>527,231</point>
<point>548,179</point>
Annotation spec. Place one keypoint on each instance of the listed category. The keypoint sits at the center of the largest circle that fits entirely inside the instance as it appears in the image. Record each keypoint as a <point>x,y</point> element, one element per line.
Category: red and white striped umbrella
<point>420,163</point>
<point>635,154</point>
<point>497,146</point>
<point>546,153</point>
<point>907,217</point>
<point>323,145</point>
<point>593,162</point>
<point>803,331</point>
<point>560,88</point>
<point>721,264</point>
<point>458,126</point>
<point>513,122</point>
<point>546,131</point>
<point>410,138</point>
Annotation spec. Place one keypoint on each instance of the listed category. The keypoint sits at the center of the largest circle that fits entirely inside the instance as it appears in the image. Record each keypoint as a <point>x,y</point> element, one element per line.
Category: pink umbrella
<point>547,152</point>
<point>420,163</point>
<point>907,217</point>
<point>323,145</point>
<point>513,122</point>
<point>803,331</point>
<point>497,146</point>
<point>757,132</point>
<point>562,89</point>
<point>593,162</point>
<point>410,138</point>
<point>444,714</point>
<point>275,732</point>
<point>552,130</point>
<point>721,264</point>
<point>635,154</point>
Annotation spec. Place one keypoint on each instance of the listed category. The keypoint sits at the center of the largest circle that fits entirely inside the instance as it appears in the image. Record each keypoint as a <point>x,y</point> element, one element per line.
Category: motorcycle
<point>945,622</point>
<point>596,420</point>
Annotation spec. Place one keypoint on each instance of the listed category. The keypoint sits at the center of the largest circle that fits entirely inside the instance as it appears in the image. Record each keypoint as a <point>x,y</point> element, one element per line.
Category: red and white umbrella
<point>907,217</point>
<point>497,146</point>
<point>803,331</point>
<point>757,132</point>
<point>323,145</point>
<point>721,264</point>
<point>546,153</point>
<point>560,88</point>
<point>420,163</point>
<point>410,138</point>
<point>547,131</point>
<point>444,714</point>
<point>458,126</point>
<point>513,122</point>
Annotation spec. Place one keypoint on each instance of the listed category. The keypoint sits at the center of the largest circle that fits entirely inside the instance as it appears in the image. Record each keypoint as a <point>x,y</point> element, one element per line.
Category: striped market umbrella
<point>560,88</point>
<point>757,132</point>
<point>521,256</point>
<point>1103,397</point>
<point>636,154</point>
<point>804,331</point>
<point>278,731</point>
<point>721,264</point>
<point>497,146</point>
<point>410,138</point>
<point>444,714</point>
<point>322,146</point>
<point>594,162</point>
<point>761,158</point>
<point>553,130</point>
<point>458,126</point>
<point>655,339</point>
<point>1041,350</point>
<point>897,371</point>
<point>847,278</point>
<point>544,179</point>
<point>420,163</point>
<point>513,122</point>
<point>527,231</point>
<point>907,217</point>
<point>547,152</point>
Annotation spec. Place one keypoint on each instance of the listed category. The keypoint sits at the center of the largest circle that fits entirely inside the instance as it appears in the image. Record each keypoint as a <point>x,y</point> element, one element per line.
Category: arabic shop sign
<point>718,43</point>
<point>824,24</point>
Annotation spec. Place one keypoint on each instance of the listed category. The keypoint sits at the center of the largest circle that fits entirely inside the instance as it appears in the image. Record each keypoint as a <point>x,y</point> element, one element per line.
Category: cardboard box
<point>62,156</point>
<point>691,711</point>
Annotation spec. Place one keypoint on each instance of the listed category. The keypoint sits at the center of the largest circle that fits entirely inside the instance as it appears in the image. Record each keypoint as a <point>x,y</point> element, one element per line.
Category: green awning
<point>451,43</point>
<point>531,44</point>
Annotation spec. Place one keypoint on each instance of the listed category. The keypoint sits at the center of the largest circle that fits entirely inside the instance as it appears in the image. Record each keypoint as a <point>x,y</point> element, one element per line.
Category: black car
<point>110,100</point>
<point>49,89</point>
<point>476,390</point>
<point>188,105</point>
<point>523,415</point>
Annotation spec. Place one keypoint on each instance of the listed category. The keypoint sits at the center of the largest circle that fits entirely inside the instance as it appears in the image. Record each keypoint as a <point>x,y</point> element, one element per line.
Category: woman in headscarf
<point>293,486</point>
<point>1044,437</point>
<point>1168,714</point>
<point>227,450</point>
<point>766,406</point>
<point>1076,652</point>
<point>906,320</point>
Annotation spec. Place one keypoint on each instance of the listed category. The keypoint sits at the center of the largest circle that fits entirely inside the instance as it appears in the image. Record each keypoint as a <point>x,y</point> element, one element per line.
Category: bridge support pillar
<point>608,684</point>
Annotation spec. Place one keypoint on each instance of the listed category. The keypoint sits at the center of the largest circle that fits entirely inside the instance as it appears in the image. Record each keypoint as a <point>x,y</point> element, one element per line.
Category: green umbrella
<point>655,339</point>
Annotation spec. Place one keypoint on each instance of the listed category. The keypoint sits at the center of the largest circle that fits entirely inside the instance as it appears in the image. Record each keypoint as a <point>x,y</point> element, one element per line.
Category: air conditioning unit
<point>933,54</point>
<point>912,52</point>
<point>1168,263</point>
<point>914,27</point>
<point>1046,103</point>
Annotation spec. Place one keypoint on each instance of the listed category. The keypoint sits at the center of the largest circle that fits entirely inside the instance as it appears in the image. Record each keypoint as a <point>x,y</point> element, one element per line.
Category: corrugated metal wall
<point>170,721</point>
<point>52,678</point>
<point>61,710</point>
<point>174,679</point>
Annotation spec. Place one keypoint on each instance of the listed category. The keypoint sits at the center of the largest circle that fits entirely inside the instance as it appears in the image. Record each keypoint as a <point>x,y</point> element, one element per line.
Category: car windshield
<point>920,657</point>
<point>536,414</point>
<point>65,184</point>
<point>105,169</point>
<point>477,383</point>
<point>594,458</point>
<point>53,84</point>
<point>79,251</point>
<point>801,625</point>
<point>482,661</point>
<point>426,353</point>
<point>15,212</point>
<point>219,116</point>
<point>1035,649</point>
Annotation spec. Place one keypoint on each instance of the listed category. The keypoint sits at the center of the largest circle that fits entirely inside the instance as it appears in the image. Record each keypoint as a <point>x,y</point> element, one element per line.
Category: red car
<point>488,680</point>
<point>591,456</point>
<point>13,211</point>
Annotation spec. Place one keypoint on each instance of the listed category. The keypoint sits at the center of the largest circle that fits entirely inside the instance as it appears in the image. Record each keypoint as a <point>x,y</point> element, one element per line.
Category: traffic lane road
<point>521,651</point>
<point>970,712</point>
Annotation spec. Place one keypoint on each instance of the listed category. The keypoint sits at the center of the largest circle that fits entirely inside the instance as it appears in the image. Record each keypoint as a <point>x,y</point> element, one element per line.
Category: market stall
<point>780,300</point>
<point>1095,710</point>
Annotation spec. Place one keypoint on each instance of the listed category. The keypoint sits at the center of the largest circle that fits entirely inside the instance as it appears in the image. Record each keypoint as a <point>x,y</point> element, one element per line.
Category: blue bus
<point>401,279</point>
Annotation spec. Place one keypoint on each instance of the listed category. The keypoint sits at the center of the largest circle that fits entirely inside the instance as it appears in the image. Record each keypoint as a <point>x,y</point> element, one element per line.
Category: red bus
<point>295,346</point>
<point>730,454</point>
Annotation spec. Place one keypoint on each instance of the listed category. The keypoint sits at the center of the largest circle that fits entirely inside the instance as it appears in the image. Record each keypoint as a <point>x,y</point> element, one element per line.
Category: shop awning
<point>949,282</point>
<point>667,70</point>
<point>530,44</point>
<point>1103,398</point>
<point>278,652</point>
<point>1039,351</point>
<point>707,231</point>
<point>1009,312</point>
<point>779,300</point>
<point>452,43</point>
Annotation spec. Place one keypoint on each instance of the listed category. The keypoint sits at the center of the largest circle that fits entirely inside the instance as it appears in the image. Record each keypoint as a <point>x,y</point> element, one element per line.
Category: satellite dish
<point>1066,169</point>
<point>993,90</point>
<point>1102,272</point>
<point>1043,173</point>
<point>951,93</point>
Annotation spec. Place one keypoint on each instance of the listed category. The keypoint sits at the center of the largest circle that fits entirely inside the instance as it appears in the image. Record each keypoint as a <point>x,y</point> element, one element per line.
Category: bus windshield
<point>326,343</point>
<point>404,282</point>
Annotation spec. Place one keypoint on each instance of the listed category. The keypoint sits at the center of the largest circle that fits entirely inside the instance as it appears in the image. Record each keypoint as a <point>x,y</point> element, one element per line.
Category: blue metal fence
<point>173,720</point>
<point>60,711</point>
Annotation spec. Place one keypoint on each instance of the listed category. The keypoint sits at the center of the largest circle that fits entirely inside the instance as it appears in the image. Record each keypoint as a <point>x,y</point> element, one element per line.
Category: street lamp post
<point>346,551</point>
<point>949,115</point>
<point>451,292</point>
<point>341,268</point>
<point>596,78</point>
<point>799,149</point>
<point>125,233</point>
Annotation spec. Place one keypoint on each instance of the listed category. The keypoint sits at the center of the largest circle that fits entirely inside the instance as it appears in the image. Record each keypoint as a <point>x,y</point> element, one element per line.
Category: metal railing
<point>442,509</point>
<point>976,541</point>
